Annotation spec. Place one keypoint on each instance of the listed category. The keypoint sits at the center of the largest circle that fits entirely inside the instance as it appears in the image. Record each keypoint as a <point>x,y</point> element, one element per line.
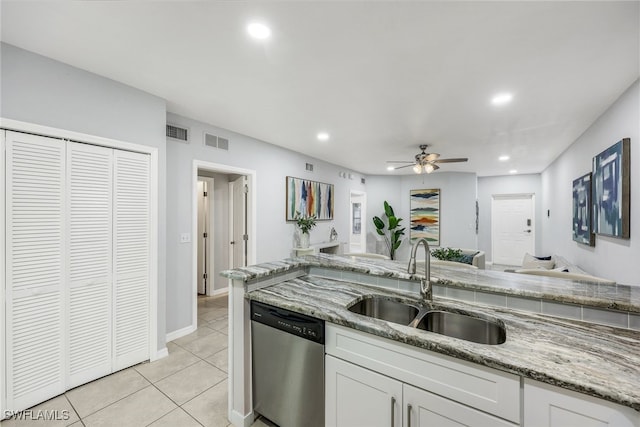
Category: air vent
<point>175,132</point>
<point>214,141</point>
<point>309,167</point>
<point>363,181</point>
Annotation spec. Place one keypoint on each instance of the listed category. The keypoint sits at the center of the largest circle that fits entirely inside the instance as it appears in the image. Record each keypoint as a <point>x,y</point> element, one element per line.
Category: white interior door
<point>238,217</point>
<point>90,265</point>
<point>35,269</point>
<point>358,223</point>
<point>131,258</point>
<point>512,228</point>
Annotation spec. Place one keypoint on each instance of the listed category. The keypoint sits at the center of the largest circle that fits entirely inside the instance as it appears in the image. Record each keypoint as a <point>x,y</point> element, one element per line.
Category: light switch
<point>185,238</point>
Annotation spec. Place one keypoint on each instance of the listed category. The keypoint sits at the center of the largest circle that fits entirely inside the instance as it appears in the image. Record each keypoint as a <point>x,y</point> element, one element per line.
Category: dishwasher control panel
<point>289,321</point>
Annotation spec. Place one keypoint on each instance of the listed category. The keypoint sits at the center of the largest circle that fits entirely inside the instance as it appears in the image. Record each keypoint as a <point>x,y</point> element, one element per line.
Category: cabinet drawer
<point>486,389</point>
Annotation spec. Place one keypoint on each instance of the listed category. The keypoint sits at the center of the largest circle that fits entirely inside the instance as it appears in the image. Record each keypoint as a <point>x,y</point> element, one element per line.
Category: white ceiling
<point>380,77</point>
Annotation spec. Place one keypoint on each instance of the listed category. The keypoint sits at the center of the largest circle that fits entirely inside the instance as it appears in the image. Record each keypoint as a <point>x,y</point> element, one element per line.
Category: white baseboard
<point>241,421</point>
<point>163,352</point>
<point>180,333</point>
<point>221,291</point>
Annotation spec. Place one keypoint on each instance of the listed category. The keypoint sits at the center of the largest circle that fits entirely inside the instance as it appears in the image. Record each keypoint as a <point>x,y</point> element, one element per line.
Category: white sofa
<point>559,267</point>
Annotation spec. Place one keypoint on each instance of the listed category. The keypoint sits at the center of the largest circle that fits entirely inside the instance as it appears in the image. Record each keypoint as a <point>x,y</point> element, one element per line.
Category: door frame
<point>210,236</point>
<point>48,131</point>
<point>251,223</point>
<point>495,197</point>
<point>363,222</point>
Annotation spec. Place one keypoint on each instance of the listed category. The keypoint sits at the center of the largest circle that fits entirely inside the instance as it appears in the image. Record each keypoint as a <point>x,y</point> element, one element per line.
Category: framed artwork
<point>309,198</point>
<point>425,215</point>
<point>582,232</point>
<point>610,191</point>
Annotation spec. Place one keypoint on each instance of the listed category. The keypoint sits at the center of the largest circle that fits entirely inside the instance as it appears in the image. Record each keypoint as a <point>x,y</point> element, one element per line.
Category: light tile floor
<point>186,388</point>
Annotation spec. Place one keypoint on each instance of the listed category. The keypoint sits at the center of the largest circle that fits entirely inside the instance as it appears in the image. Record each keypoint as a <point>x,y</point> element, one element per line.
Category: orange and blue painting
<point>309,198</point>
<point>425,215</point>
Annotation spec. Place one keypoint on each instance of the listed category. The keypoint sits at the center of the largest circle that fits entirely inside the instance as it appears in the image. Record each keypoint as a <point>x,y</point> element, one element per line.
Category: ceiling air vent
<point>175,132</point>
<point>309,167</point>
<point>214,141</point>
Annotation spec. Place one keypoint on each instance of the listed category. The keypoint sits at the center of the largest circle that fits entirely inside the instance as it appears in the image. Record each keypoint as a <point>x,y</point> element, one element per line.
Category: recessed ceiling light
<point>322,136</point>
<point>502,99</point>
<point>503,158</point>
<point>391,168</point>
<point>512,171</point>
<point>258,31</point>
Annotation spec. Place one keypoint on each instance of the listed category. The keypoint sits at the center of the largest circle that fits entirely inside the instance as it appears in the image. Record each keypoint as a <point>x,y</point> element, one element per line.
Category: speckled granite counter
<point>596,360</point>
<point>618,297</point>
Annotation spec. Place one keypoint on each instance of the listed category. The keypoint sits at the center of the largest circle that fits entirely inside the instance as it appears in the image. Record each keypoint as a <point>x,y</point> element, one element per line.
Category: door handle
<point>527,231</point>
<point>409,415</point>
<point>393,410</point>
<point>232,242</point>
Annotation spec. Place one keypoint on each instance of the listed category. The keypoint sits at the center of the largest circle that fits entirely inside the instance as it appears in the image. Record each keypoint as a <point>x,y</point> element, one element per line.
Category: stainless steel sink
<point>386,309</point>
<point>464,327</point>
<point>432,319</point>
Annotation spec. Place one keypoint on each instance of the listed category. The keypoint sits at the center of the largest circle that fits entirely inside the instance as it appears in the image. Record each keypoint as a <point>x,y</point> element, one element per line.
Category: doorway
<point>229,215</point>
<point>357,225</point>
<point>513,231</point>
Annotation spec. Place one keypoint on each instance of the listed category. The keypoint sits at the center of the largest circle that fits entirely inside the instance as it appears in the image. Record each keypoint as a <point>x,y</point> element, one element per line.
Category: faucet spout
<point>425,284</point>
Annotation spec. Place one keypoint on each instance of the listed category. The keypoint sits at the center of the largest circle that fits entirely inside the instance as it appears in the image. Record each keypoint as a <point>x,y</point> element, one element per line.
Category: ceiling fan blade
<point>401,167</point>
<point>460,159</point>
<point>401,161</point>
<point>431,157</point>
<point>435,167</point>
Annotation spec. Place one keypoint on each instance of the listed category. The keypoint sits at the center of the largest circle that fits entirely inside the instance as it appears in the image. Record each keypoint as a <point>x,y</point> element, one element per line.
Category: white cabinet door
<point>90,267</point>
<point>131,258</point>
<point>35,268</point>
<point>424,409</point>
<point>549,406</point>
<point>357,397</point>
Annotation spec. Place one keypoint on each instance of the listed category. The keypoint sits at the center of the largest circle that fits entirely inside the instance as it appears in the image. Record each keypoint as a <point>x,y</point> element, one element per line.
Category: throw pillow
<point>530,261</point>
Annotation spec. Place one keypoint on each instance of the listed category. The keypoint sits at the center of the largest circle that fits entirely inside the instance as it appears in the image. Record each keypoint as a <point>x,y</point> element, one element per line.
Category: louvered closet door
<point>131,258</point>
<point>90,267</point>
<point>35,203</point>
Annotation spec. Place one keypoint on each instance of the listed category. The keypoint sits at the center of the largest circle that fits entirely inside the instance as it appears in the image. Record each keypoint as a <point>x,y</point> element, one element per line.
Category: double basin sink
<point>466,326</point>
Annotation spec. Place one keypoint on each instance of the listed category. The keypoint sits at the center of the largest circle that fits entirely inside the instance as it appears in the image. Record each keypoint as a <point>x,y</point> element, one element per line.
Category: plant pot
<point>304,240</point>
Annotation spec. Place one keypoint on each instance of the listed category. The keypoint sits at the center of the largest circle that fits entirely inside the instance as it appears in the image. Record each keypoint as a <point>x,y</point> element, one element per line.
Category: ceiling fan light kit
<point>426,162</point>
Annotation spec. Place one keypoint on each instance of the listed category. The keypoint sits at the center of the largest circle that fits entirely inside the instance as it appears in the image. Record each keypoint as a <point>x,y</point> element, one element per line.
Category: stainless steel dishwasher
<point>288,366</point>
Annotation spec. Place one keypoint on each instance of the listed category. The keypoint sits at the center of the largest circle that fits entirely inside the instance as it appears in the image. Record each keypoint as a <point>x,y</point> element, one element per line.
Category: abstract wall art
<point>610,190</point>
<point>309,198</point>
<point>582,232</point>
<point>425,215</point>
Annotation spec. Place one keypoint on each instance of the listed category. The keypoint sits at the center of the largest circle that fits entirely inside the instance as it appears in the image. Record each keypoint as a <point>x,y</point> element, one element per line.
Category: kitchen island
<point>593,359</point>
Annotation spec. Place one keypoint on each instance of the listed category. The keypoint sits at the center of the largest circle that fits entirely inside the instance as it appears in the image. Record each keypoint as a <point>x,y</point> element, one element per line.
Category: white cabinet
<point>549,406</point>
<point>424,409</point>
<point>77,264</point>
<point>359,397</point>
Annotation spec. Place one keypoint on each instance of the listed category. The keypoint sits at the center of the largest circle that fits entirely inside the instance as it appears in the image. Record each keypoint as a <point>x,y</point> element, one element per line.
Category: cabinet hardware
<point>409,415</point>
<point>393,410</point>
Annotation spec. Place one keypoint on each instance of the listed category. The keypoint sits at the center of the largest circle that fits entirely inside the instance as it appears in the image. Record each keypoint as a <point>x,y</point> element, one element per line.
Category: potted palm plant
<point>393,233</point>
<point>304,223</point>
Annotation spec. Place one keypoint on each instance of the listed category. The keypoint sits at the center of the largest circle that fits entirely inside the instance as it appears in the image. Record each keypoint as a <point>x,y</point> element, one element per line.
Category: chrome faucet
<point>425,284</point>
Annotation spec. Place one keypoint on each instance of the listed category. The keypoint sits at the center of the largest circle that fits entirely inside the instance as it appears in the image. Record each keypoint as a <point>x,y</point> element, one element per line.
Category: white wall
<point>274,235</point>
<point>612,258</point>
<point>39,90</point>
<point>457,206</point>
<point>510,184</point>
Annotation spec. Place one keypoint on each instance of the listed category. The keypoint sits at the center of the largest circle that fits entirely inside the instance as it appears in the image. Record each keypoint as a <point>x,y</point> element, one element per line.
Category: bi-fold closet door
<point>77,288</point>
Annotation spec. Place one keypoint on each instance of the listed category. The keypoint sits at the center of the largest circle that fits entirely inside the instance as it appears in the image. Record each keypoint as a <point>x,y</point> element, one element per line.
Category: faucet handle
<point>411,269</point>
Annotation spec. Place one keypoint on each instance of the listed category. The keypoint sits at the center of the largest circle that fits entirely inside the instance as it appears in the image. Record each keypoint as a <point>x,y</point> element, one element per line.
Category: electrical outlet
<point>185,238</point>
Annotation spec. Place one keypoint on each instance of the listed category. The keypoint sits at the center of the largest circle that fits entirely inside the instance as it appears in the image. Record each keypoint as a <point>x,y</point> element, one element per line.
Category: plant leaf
<point>380,232</point>
<point>393,222</point>
<point>378,223</point>
<point>388,210</point>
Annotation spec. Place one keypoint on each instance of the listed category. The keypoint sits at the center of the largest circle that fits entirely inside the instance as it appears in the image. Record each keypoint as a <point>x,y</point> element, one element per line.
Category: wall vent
<point>363,181</point>
<point>214,141</point>
<point>309,167</point>
<point>175,132</point>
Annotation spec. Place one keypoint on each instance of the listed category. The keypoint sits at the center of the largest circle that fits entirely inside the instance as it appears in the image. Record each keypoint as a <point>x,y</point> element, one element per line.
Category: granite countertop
<point>592,359</point>
<point>617,297</point>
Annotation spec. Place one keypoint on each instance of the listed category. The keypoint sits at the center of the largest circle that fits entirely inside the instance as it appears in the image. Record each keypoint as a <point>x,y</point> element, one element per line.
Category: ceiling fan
<point>426,162</point>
